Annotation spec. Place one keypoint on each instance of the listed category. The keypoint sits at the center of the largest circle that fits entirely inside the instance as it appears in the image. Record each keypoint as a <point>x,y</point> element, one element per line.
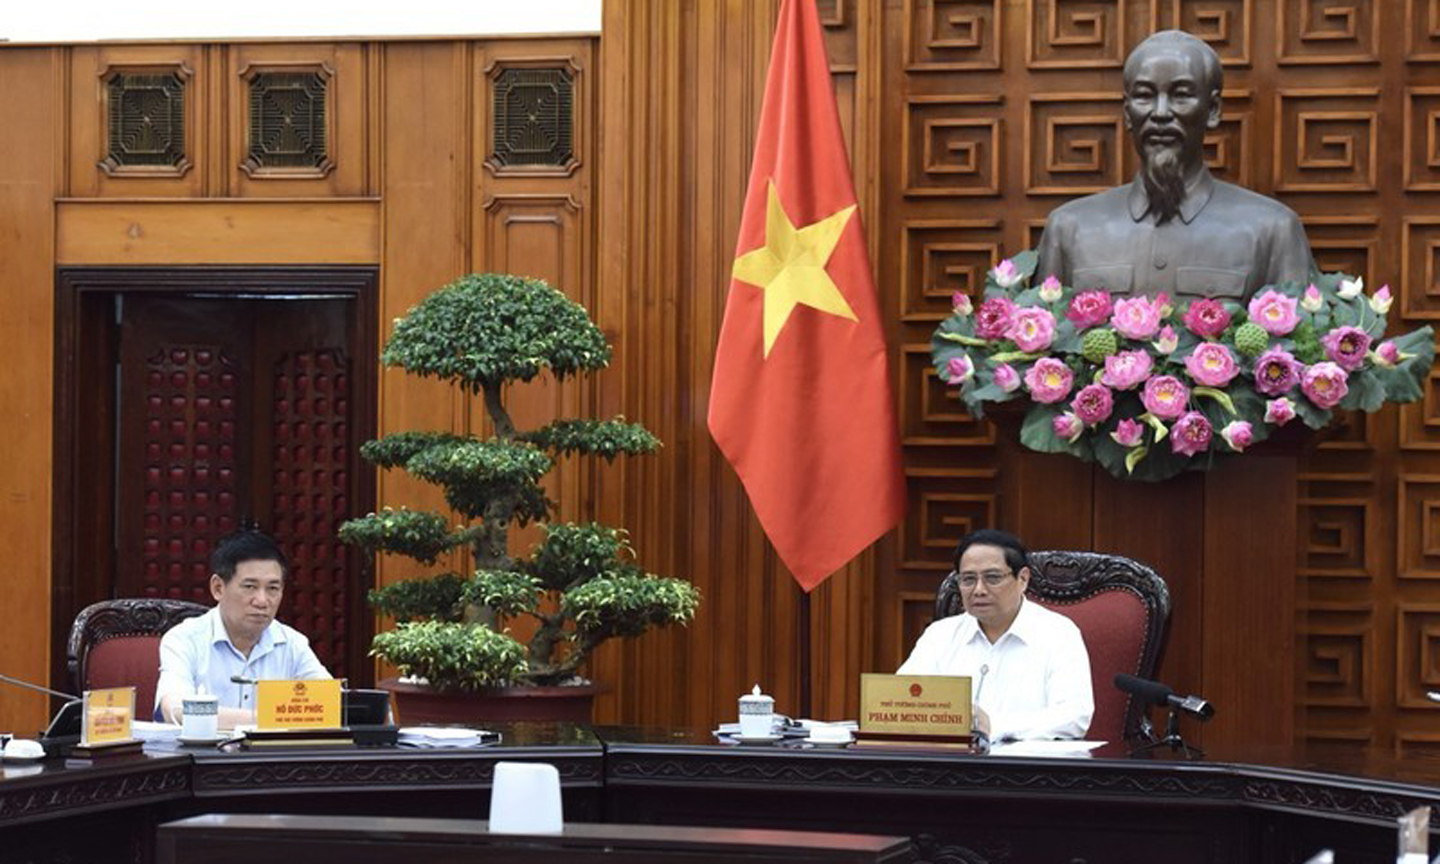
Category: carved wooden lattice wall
<point>1006,110</point>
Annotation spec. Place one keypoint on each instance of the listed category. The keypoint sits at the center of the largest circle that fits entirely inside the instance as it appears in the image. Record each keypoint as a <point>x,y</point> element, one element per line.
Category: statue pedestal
<point>1224,541</point>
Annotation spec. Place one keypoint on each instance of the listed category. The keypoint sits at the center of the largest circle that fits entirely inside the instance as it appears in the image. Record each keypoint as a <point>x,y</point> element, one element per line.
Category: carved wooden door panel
<point>237,412</point>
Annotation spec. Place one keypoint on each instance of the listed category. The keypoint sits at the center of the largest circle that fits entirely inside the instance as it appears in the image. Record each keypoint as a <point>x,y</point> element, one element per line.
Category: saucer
<point>201,742</point>
<point>757,740</point>
<point>23,760</point>
<point>835,745</point>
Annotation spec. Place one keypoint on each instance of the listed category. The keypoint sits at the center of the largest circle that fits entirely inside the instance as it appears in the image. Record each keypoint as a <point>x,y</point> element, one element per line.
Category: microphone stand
<point>37,688</point>
<point>1172,738</point>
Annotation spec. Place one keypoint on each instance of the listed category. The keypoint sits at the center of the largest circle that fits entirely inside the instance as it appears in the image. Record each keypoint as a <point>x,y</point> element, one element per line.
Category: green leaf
<point>505,591</point>
<point>1218,395</point>
<point>495,327</point>
<point>605,438</point>
<point>628,604</point>
<point>974,341</point>
<point>416,534</point>
<point>452,656</point>
<point>435,598</point>
<point>1366,393</point>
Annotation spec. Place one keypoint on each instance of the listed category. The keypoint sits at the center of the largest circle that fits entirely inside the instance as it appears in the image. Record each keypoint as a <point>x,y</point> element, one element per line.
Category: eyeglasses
<point>991,578</point>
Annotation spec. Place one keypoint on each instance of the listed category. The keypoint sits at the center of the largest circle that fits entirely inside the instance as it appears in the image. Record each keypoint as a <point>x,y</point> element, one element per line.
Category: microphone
<point>984,670</point>
<point>36,687</point>
<point>1155,693</point>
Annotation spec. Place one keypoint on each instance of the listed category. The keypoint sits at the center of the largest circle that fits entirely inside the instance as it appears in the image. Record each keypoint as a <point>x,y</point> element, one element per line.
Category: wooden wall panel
<point>87,130</point>
<point>424,188</point>
<point>199,231</point>
<point>27,172</point>
<point>347,107</point>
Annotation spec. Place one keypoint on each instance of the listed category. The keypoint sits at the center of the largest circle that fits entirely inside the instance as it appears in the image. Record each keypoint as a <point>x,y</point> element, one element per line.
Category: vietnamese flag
<point>800,400</point>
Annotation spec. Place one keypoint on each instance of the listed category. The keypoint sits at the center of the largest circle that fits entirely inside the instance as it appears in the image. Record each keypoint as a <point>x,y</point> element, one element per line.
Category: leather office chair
<point>1121,607</point>
<point>116,643</point>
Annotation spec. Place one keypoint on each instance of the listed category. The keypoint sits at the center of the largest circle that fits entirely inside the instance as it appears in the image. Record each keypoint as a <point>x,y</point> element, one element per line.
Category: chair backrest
<point>116,643</point>
<point>1121,607</point>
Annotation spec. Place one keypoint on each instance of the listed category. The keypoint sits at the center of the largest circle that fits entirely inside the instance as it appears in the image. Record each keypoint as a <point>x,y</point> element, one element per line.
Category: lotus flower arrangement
<point>1148,387</point>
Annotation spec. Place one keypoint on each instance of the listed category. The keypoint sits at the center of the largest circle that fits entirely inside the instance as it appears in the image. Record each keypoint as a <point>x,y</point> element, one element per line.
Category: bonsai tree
<point>579,584</point>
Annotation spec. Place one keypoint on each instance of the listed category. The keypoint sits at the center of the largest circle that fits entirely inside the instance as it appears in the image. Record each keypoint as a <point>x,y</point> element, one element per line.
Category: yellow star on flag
<point>790,267</point>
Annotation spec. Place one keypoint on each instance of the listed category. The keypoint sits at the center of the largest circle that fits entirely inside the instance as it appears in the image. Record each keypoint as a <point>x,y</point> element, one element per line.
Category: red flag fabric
<point>800,399</point>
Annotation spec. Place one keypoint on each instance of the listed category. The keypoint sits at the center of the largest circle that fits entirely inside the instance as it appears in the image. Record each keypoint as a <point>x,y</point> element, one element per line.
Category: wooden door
<point>236,412</point>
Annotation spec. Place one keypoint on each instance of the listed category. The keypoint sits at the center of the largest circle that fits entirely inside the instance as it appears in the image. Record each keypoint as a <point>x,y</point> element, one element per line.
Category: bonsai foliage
<point>580,584</point>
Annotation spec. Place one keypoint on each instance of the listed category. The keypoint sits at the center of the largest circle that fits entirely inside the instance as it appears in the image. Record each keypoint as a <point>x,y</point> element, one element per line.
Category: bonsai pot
<point>417,703</point>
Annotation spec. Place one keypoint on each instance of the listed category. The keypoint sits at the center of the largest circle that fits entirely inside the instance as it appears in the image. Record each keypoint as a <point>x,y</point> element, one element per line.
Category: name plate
<point>937,705</point>
<point>291,705</point>
<point>109,716</point>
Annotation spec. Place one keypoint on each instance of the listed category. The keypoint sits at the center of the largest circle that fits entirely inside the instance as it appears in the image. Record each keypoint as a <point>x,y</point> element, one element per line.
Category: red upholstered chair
<point>116,643</point>
<point>1121,607</point>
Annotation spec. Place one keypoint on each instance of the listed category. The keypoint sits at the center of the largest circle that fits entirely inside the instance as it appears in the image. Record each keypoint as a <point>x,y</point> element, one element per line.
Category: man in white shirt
<point>238,638</point>
<point>1029,669</point>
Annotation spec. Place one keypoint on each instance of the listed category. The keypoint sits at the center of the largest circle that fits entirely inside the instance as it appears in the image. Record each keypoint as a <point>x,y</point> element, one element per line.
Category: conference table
<point>1256,805</point>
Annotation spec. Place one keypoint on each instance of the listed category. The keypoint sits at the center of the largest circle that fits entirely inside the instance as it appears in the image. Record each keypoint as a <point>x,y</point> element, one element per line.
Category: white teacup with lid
<point>757,714</point>
<point>200,717</point>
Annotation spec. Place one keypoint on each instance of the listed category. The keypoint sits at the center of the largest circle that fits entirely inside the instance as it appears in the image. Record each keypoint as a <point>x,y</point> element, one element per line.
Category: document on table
<point>1074,749</point>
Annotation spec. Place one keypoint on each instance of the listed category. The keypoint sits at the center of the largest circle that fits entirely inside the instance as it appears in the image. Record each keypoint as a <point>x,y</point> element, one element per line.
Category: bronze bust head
<point>1174,228</point>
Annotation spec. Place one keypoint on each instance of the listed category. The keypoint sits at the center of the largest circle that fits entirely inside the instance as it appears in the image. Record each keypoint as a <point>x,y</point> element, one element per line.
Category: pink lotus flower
<point>1093,404</point>
<point>1347,347</point>
<point>1312,301</point>
<point>1049,380</point>
<point>1032,328</point>
<point>960,304</point>
<point>1006,273</point>
<point>960,369</point>
<point>1136,317</point>
<point>1191,434</point>
<point>1090,309</point>
<point>1324,384</point>
<point>1388,354</point>
<point>1280,411</point>
<point>1165,396</point>
<point>1381,301</point>
<point>1163,305</point>
<point>1211,365</point>
<point>994,318</point>
<point>1068,426</point>
<point>1239,434</point>
<point>1006,378</point>
<point>1128,432</point>
<point>1167,342</point>
<point>1050,289</point>
<point>1207,318</point>
<point>1126,370</point>
<point>1276,372</point>
<point>1275,312</point>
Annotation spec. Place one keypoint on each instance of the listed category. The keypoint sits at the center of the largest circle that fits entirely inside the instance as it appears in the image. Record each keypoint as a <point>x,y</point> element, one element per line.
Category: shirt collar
<point>1197,195</point>
<point>1022,628</point>
<point>269,639</point>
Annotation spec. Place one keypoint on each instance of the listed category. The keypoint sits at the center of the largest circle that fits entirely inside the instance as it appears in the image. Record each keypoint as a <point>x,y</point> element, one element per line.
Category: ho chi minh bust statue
<point>1174,228</point>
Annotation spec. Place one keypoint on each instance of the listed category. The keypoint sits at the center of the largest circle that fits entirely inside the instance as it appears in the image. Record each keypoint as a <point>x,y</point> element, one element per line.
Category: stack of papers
<point>442,736</point>
<point>147,730</point>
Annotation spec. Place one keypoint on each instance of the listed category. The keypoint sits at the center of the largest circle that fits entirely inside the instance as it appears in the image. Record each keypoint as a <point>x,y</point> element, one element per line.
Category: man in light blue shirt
<point>238,638</point>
